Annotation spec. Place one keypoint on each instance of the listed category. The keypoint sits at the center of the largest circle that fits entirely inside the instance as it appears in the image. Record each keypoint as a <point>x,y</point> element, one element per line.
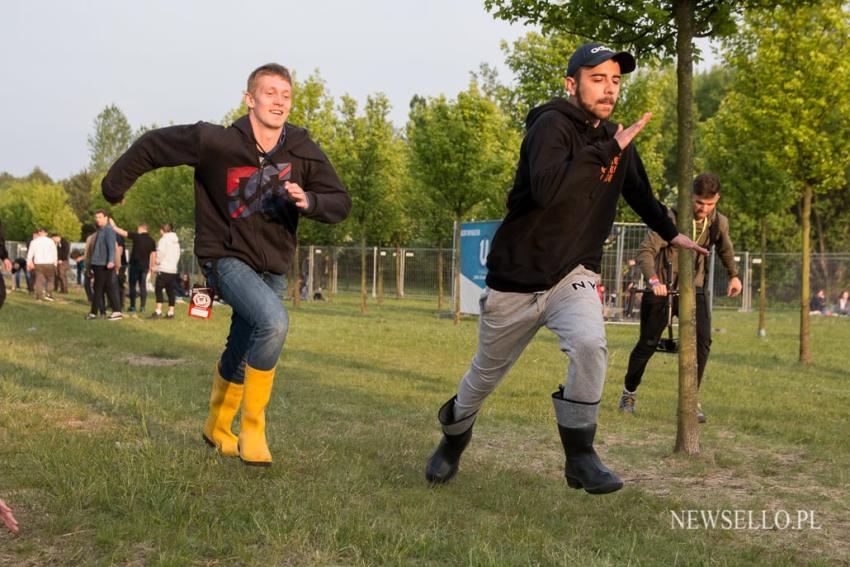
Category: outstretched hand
<point>682,241</point>
<point>625,137</point>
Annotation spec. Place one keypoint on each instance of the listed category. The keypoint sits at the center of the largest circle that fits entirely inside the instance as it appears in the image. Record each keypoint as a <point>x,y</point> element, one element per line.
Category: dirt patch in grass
<point>747,477</point>
<point>153,361</point>
<point>91,422</point>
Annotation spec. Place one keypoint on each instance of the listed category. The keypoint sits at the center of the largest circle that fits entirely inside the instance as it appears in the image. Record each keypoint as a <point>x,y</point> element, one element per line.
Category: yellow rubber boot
<point>224,403</point>
<point>253,449</point>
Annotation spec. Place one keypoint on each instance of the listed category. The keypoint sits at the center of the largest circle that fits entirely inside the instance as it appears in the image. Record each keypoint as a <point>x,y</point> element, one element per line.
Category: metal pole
<point>618,289</point>
<point>334,270</point>
<point>710,283</point>
<point>374,271</point>
<point>310,266</point>
<point>403,253</point>
<point>747,294</point>
<point>454,245</point>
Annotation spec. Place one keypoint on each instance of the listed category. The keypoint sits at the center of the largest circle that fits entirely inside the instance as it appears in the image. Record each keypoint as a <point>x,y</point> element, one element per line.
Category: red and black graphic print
<point>251,190</point>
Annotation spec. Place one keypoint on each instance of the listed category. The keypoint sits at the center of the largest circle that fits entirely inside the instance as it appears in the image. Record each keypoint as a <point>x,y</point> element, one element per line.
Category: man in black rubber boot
<point>444,463</point>
<point>583,469</point>
<point>545,259</point>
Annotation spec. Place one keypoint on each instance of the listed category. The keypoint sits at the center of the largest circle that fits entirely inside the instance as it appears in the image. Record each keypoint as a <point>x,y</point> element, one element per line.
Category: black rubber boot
<point>445,462</point>
<point>583,468</point>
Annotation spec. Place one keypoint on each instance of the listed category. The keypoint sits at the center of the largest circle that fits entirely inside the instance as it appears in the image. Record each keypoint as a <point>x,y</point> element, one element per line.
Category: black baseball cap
<point>592,54</point>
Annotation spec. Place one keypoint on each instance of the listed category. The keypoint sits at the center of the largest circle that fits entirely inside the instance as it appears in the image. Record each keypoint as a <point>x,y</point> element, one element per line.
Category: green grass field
<point>101,456</point>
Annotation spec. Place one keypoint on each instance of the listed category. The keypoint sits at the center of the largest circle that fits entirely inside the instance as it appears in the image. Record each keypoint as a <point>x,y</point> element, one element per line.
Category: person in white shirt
<point>165,259</point>
<point>42,257</point>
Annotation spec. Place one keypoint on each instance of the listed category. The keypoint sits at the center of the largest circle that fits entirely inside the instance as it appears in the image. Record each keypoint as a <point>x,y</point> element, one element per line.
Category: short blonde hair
<point>268,69</point>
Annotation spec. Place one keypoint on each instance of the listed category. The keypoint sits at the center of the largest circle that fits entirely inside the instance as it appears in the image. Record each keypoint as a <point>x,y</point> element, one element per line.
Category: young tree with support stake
<point>462,153</point>
<point>665,29</point>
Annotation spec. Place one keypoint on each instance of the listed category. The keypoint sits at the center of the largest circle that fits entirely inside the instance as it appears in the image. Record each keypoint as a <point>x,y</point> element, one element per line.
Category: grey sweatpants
<point>572,310</point>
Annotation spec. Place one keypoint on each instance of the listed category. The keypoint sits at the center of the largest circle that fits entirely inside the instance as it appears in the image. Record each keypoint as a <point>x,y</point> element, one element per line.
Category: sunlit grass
<point>103,462</point>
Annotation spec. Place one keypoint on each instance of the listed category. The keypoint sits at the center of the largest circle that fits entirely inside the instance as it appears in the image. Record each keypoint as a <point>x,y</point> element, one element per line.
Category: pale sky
<point>180,61</point>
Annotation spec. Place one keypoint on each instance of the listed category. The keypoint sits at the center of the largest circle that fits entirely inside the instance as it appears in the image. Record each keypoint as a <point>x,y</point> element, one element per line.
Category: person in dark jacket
<point>545,260</point>
<point>140,263</point>
<point>710,229</point>
<point>254,180</point>
<point>6,264</point>
<point>102,262</point>
<point>63,251</point>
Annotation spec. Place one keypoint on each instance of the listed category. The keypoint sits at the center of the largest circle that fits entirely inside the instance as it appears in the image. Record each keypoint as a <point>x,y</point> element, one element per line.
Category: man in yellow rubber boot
<point>253,181</point>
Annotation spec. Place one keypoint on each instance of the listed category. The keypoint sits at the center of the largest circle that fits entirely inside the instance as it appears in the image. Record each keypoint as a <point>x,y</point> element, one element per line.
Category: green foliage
<point>653,89</point>
<point>28,205</point>
<point>463,154</point>
<point>160,196</point>
<point>369,157</point>
<point>646,26</point>
<point>111,137</point>
<point>313,108</point>
<point>539,63</point>
<point>78,188</point>
<point>710,88</point>
<point>767,146</point>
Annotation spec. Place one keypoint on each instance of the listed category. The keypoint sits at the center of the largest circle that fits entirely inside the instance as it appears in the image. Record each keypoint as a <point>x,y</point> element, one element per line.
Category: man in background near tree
<point>141,259</point>
<point>102,266</point>
<point>41,258</point>
<point>254,180</point>
<point>63,252</point>
<point>710,228</point>
<point>545,261</point>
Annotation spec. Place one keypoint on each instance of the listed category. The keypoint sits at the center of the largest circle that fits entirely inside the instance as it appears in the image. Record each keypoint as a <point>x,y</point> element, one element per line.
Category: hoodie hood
<point>582,120</point>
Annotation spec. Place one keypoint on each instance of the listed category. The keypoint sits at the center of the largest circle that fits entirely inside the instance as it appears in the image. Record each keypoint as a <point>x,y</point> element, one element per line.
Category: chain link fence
<point>415,273</point>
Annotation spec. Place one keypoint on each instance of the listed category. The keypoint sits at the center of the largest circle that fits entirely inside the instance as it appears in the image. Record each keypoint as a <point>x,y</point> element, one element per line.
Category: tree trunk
<point>379,273</point>
<point>296,289</point>
<point>824,265</point>
<point>456,282</point>
<point>805,353</point>
<point>440,291</point>
<point>363,308</point>
<point>762,331</point>
<point>687,433</point>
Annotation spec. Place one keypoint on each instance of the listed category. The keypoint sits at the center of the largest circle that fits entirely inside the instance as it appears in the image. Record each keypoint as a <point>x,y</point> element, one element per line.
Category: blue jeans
<point>259,323</point>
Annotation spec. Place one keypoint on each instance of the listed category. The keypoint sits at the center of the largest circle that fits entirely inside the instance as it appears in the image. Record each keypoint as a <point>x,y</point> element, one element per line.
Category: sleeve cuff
<point>668,231</point>
<point>311,204</point>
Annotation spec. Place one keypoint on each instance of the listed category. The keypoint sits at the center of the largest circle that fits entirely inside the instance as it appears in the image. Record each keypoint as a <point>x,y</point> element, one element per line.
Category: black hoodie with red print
<point>564,199</point>
<point>241,207</point>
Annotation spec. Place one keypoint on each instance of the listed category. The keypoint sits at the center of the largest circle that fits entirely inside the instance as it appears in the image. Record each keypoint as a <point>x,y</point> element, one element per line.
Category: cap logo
<point>600,48</point>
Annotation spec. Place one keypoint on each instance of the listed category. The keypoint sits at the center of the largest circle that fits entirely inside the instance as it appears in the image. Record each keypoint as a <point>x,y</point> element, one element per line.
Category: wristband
<point>654,281</point>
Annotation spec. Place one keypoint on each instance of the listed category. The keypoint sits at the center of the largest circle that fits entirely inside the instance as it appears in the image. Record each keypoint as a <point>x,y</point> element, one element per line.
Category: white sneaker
<point>116,316</point>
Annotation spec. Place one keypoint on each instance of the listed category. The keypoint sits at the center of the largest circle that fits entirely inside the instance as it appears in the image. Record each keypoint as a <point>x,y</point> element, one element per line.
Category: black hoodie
<point>241,207</point>
<point>564,199</point>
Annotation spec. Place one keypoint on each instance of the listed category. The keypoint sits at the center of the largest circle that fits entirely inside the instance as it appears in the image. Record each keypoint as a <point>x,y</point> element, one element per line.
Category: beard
<point>594,107</point>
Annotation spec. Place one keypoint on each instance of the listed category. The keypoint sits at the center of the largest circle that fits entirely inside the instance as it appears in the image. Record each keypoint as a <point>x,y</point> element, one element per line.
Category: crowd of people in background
<point>105,269</point>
